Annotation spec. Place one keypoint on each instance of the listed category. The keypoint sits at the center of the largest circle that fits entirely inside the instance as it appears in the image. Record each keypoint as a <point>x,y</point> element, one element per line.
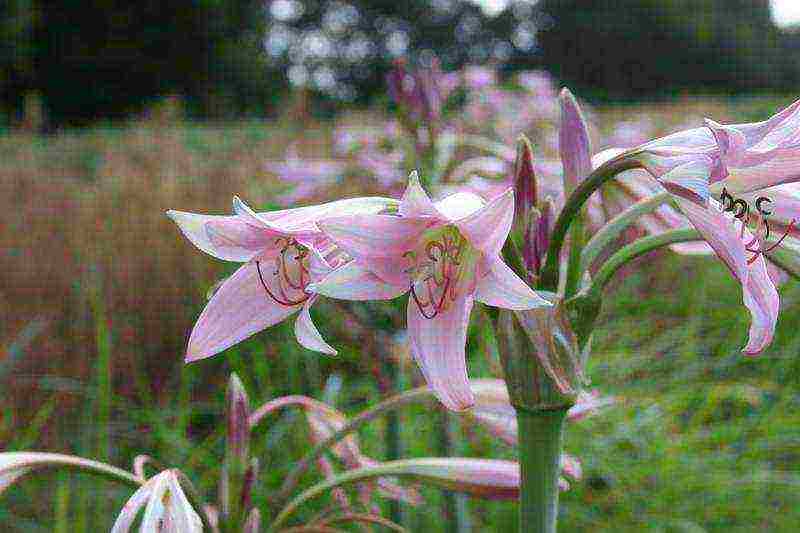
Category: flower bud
<point>541,358</point>
<point>524,185</point>
<point>573,142</point>
<point>232,481</point>
<point>238,424</point>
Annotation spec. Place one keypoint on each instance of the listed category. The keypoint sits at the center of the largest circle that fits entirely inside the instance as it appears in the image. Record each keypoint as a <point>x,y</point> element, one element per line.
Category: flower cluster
<point>445,254</point>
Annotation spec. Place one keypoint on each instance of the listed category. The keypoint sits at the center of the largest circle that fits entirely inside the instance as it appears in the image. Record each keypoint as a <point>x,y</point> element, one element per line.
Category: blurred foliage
<point>646,47</point>
<point>96,59</point>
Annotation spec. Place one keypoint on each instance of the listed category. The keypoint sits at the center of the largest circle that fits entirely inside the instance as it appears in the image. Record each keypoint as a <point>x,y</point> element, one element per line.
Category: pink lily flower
<point>306,175</point>
<point>166,507</point>
<point>282,252</point>
<point>446,255</point>
<point>742,157</point>
<point>750,160</point>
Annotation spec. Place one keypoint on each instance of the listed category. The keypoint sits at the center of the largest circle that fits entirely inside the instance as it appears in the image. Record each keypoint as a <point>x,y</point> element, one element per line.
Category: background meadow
<point>99,290</point>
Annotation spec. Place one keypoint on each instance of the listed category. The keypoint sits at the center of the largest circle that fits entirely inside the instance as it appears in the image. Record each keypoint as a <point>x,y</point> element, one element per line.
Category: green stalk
<point>617,225</point>
<point>574,265</point>
<point>388,405</point>
<point>540,441</point>
<point>392,371</point>
<point>603,173</point>
<point>640,247</point>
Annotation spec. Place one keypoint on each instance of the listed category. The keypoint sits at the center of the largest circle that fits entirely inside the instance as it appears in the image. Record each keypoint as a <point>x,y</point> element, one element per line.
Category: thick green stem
<point>540,443</point>
<point>603,173</point>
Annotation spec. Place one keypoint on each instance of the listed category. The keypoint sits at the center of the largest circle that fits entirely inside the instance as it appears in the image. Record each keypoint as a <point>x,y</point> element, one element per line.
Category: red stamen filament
<point>282,274</point>
<point>443,259</point>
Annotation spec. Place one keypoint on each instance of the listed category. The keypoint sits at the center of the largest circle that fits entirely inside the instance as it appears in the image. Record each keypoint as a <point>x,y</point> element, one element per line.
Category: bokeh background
<point>113,112</point>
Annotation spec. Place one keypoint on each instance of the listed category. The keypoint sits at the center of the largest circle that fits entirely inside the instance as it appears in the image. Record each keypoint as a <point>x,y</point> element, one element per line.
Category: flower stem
<point>603,173</point>
<point>617,225</point>
<point>637,248</point>
<point>540,442</point>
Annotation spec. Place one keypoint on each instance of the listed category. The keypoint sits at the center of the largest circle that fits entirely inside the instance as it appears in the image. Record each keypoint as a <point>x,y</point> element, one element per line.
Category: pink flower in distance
<point>282,252</point>
<point>446,255</point>
<point>323,422</point>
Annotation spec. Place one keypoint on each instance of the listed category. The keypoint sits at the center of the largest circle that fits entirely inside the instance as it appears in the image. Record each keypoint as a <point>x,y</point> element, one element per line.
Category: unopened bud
<point>541,358</point>
<point>573,142</point>
<point>238,424</point>
<point>236,452</point>
<point>524,185</point>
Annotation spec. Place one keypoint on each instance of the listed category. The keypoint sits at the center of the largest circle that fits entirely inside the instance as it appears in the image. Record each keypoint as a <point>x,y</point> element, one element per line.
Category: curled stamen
<point>283,301</point>
<point>422,307</point>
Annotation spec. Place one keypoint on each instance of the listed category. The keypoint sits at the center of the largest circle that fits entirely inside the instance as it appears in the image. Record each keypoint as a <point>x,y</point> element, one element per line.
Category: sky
<point>785,12</point>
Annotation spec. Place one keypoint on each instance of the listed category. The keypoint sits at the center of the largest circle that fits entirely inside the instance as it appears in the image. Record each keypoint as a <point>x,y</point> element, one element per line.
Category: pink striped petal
<point>367,236</point>
<point>761,298</point>
<point>438,346</point>
<point>239,309</point>
<point>501,287</point>
<point>460,204</point>
<point>689,180</point>
<point>228,238</point>
<point>759,294</point>
<point>416,202</point>
<point>304,219</point>
<point>307,333</point>
<point>354,282</point>
<point>487,228</point>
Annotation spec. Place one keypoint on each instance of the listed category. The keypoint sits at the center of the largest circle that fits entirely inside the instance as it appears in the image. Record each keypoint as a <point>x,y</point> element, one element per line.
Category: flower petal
<point>307,333</point>
<point>168,509</point>
<point>304,219</point>
<point>127,516</point>
<point>487,228</point>
<point>501,287</point>
<point>438,346</point>
<point>228,238</point>
<point>689,180</point>
<point>239,309</point>
<point>759,293</point>
<point>761,298</point>
<point>354,282</point>
<point>416,202</point>
<point>374,235</point>
<point>460,204</point>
